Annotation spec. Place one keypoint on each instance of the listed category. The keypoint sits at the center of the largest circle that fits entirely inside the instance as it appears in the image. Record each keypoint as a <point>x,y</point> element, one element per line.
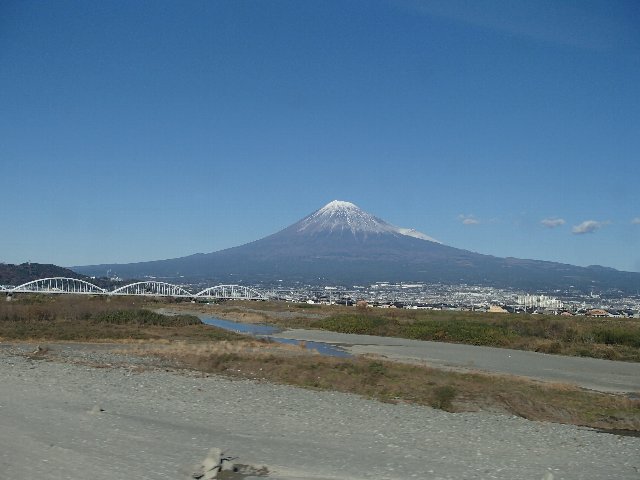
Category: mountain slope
<point>340,243</point>
<point>25,272</point>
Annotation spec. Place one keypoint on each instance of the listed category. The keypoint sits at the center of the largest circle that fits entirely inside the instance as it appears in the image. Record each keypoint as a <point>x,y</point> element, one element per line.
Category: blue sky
<point>135,131</point>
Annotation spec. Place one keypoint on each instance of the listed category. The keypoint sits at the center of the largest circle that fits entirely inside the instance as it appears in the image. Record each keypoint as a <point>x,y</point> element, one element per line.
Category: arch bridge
<point>59,285</point>
<point>231,292</point>
<point>153,289</point>
<point>62,285</point>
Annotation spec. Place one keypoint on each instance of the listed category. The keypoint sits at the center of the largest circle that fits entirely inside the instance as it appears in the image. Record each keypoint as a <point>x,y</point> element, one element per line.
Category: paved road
<point>591,373</point>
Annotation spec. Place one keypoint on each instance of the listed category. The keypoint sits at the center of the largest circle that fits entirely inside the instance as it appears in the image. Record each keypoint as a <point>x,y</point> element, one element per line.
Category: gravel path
<point>66,420</point>
<point>591,373</point>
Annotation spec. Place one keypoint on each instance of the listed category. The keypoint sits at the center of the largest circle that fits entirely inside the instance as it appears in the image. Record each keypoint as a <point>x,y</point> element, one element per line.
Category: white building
<point>539,301</point>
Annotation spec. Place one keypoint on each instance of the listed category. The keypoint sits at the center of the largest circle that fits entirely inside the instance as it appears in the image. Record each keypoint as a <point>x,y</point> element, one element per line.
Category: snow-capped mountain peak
<point>340,216</point>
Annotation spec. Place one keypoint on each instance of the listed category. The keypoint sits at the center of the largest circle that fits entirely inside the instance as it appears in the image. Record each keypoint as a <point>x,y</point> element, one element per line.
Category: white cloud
<point>552,222</point>
<point>636,221</point>
<point>468,219</point>
<point>564,24</point>
<point>588,226</point>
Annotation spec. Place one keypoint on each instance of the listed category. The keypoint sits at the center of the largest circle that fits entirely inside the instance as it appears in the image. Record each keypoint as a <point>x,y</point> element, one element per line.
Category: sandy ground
<point>65,418</point>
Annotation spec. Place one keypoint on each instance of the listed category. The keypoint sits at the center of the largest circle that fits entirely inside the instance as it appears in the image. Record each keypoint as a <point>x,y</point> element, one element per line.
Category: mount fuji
<point>341,243</point>
<point>340,217</point>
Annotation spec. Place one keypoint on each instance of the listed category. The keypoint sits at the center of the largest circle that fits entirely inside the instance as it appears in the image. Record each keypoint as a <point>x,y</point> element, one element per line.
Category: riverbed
<point>271,333</point>
<point>73,420</point>
<point>590,373</point>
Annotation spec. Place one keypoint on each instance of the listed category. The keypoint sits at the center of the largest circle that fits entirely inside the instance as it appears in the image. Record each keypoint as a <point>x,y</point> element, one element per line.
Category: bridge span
<point>63,285</point>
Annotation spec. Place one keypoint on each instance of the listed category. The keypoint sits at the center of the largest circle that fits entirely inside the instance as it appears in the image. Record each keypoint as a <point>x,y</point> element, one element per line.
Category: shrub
<point>617,336</point>
<point>477,333</point>
<point>443,397</point>
<point>549,347</point>
<point>144,317</point>
<point>359,324</point>
<point>376,369</point>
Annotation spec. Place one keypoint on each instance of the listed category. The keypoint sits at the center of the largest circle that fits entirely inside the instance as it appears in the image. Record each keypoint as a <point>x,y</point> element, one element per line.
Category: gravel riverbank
<point>64,417</point>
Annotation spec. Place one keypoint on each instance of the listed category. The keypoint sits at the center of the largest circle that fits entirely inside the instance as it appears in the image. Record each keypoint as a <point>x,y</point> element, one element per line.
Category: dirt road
<point>591,373</point>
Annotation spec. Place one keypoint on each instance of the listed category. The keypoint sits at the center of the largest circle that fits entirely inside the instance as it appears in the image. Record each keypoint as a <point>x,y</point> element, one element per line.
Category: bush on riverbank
<point>142,317</point>
<point>73,317</point>
<point>613,339</point>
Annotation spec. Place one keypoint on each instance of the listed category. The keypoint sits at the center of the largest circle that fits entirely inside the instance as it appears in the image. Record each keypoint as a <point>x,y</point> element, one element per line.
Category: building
<point>539,301</point>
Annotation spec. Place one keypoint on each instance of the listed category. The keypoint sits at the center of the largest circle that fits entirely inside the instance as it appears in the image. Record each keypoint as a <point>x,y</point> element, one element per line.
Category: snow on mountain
<point>341,216</point>
<point>410,232</point>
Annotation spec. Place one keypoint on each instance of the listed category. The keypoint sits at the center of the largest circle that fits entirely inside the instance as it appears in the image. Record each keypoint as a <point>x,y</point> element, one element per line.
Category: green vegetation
<point>142,317</point>
<point>613,339</point>
<point>360,324</point>
<point>23,273</point>
<point>443,397</point>
<point>617,335</point>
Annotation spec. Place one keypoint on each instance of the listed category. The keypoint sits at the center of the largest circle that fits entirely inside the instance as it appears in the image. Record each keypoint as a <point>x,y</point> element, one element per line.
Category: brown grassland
<point>610,338</point>
<point>132,324</point>
<point>87,318</point>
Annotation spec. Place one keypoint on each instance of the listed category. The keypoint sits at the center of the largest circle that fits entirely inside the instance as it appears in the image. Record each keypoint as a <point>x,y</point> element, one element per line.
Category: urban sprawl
<point>462,297</point>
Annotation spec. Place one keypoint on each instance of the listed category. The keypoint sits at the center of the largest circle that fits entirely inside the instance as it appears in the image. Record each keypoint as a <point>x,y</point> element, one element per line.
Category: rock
<point>39,351</point>
<point>213,463</point>
<point>96,410</point>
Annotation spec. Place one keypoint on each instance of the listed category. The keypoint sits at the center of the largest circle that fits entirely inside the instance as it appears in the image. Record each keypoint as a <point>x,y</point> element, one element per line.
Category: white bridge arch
<point>59,285</point>
<point>160,289</point>
<point>231,292</point>
<point>149,288</point>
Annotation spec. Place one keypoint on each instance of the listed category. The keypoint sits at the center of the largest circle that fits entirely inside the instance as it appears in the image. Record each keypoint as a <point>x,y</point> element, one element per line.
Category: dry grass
<point>395,382</point>
<point>609,338</point>
<point>212,350</point>
<point>203,349</point>
<point>85,318</point>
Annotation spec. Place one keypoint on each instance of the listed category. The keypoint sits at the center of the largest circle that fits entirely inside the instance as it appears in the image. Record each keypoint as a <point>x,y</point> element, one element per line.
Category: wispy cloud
<point>552,222</point>
<point>636,221</point>
<point>588,226</point>
<point>550,22</point>
<point>468,219</point>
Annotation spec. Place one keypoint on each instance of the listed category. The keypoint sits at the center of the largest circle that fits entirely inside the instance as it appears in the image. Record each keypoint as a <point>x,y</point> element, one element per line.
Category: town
<point>461,297</point>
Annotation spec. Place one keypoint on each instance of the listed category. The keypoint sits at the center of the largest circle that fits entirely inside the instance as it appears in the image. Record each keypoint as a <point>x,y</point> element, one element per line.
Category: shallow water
<point>265,331</point>
<point>322,348</point>
<point>250,328</point>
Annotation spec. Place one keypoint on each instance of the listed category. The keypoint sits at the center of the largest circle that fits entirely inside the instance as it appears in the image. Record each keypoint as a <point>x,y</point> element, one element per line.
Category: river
<point>267,331</point>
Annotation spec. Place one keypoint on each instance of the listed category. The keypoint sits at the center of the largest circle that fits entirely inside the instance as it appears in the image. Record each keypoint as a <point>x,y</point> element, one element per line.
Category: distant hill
<point>18,274</point>
<point>342,244</point>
